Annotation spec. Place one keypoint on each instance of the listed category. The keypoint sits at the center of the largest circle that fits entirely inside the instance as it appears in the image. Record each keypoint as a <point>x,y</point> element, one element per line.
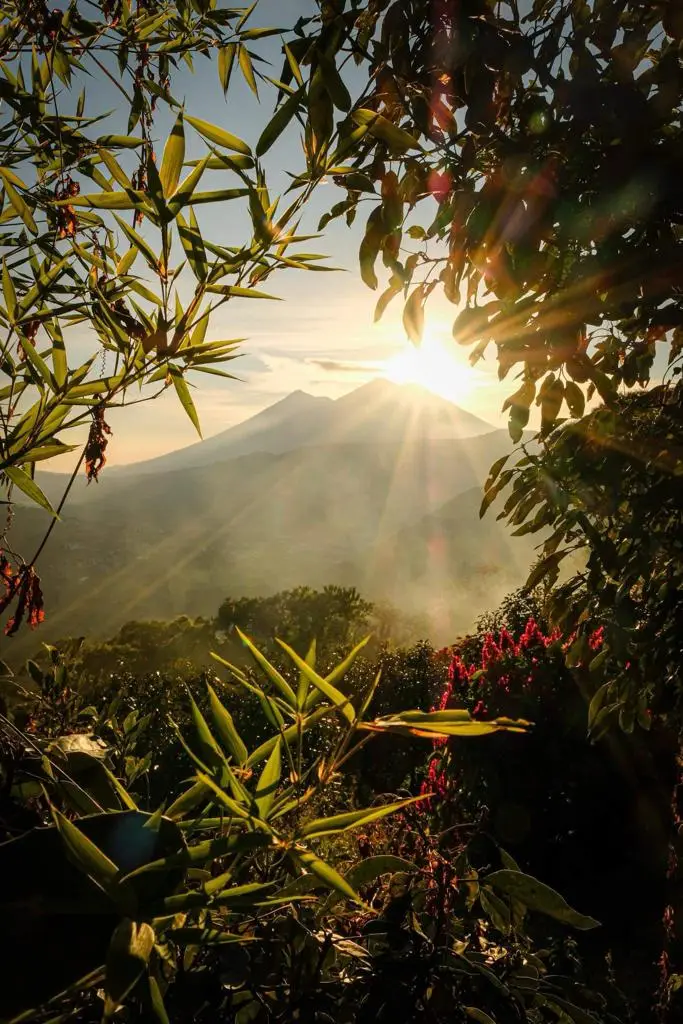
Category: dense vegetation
<point>285,839</point>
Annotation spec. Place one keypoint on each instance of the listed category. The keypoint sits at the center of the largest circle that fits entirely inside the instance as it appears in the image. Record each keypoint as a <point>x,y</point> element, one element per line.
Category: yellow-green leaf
<point>279,121</point>
<point>385,130</point>
<point>247,69</point>
<point>225,727</point>
<point>183,392</point>
<point>30,488</point>
<point>226,59</point>
<point>218,136</point>
<point>268,782</point>
<point>172,160</point>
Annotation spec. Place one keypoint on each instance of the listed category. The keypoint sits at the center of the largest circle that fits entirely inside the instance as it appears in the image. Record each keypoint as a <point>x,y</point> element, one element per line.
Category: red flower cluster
<point>503,660</point>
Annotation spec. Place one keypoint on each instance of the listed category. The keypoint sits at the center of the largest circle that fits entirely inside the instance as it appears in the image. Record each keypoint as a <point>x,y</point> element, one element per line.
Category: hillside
<point>396,516</point>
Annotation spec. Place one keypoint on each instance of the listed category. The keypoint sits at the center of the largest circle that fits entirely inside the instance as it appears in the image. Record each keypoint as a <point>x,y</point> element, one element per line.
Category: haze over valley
<point>379,489</point>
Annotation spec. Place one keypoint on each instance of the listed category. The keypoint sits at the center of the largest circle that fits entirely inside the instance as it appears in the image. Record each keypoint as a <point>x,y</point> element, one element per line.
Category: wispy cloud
<point>346,365</point>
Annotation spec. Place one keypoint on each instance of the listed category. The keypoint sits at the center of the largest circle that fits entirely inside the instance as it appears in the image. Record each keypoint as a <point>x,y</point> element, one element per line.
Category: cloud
<point>345,365</point>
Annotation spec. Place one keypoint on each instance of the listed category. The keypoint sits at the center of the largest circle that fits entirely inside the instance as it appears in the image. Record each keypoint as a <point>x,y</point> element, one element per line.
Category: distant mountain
<point>379,489</point>
<point>379,411</point>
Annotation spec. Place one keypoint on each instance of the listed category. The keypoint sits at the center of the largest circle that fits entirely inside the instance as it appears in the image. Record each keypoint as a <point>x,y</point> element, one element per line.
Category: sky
<point>321,337</point>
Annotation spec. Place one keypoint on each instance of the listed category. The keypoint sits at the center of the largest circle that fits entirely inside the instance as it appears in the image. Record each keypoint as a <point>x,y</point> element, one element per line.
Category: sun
<point>434,365</point>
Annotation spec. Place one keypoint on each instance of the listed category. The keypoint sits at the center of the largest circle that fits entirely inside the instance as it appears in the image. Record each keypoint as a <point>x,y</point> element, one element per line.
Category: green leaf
<point>327,689</point>
<point>268,782</point>
<point>185,191</point>
<point>191,241</point>
<point>218,136</point>
<point>276,678</point>
<point>430,724</point>
<point>9,292</point>
<point>575,398</point>
<point>351,819</point>
<point>538,897</point>
<point>371,868</point>
<point>132,200</point>
<point>48,451</point>
<point>209,750</point>
<point>17,202</point>
<point>30,488</point>
<point>225,728</point>
<point>232,806</point>
<point>334,84</point>
<point>84,853</point>
<point>157,1001</point>
<point>476,1014</point>
<point>240,293</point>
<point>247,69</point>
<point>288,735</point>
<point>294,66</point>
<point>172,160</point>
<point>413,315</point>
<point>139,243</point>
<point>302,691</point>
<point>327,874</point>
<point>183,392</point>
<point>383,129</point>
<point>279,121</point>
<point>127,958</point>
<point>187,801</point>
<point>226,59</point>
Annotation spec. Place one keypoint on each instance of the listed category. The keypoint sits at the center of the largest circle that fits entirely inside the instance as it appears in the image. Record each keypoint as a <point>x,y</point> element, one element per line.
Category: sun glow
<point>435,366</point>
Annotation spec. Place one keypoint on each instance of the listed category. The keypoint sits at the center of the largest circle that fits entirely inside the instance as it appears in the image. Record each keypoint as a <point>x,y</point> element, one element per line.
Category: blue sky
<point>321,337</point>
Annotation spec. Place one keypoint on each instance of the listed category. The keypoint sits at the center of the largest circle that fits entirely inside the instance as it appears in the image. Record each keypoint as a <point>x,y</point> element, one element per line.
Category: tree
<point>526,162</point>
<point>334,617</point>
<point>99,229</point>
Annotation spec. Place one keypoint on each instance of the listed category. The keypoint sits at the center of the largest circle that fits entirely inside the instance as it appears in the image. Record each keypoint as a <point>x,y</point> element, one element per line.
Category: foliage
<point>335,617</point>
<point>590,816</point>
<point>100,234</point>
<point>243,859</point>
<point>526,160</point>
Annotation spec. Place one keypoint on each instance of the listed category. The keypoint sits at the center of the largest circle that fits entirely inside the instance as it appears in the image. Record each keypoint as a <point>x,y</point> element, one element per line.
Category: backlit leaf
<point>183,392</point>
<point>218,136</point>
<point>172,160</point>
<point>30,488</point>
<point>538,897</point>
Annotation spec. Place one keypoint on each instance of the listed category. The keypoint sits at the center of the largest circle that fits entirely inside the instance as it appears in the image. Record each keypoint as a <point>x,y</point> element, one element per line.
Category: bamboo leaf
<point>30,488</point>
<point>9,292</point>
<point>352,819</point>
<point>218,136</point>
<point>327,874</point>
<point>327,689</point>
<point>226,59</point>
<point>183,392</point>
<point>173,157</point>
<point>247,69</point>
<point>385,130</point>
<point>279,121</point>
<point>183,194</point>
<point>139,243</point>
<point>129,200</point>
